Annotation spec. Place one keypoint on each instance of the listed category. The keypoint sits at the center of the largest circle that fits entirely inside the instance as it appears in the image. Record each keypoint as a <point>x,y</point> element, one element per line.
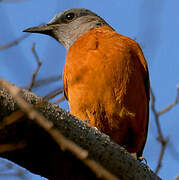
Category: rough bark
<point>33,148</point>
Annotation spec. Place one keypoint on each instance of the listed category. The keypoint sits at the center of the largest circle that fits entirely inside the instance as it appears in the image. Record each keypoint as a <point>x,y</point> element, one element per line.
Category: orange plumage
<point>106,82</point>
<point>105,79</point>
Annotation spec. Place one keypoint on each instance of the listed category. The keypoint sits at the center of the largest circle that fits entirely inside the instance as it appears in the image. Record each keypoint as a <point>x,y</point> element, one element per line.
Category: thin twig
<point>13,43</point>
<point>163,141</point>
<point>4,148</point>
<point>39,63</point>
<point>171,105</point>
<point>46,81</point>
<point>59,100</point>
<point>53,94</point>
<point>156,116</point>
<point>11,119</point>
<point>160,138</point>
<point>62,141</point>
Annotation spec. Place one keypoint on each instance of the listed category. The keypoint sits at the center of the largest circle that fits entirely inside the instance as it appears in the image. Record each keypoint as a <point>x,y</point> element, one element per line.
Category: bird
<point>105,79</point>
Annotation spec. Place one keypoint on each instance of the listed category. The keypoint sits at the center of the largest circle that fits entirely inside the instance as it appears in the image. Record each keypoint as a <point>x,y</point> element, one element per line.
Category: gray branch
<point>41,154</point>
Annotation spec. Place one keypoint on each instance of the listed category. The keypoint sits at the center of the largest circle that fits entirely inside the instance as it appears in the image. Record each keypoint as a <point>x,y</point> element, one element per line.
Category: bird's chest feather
<point>97,73</point>
<point>104,83</point>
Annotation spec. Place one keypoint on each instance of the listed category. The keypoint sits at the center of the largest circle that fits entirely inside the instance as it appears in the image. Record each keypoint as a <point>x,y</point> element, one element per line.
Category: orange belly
<point>105,83</point>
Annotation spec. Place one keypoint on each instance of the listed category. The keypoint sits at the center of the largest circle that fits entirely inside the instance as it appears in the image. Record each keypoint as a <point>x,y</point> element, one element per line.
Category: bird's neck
<point>71,35</point>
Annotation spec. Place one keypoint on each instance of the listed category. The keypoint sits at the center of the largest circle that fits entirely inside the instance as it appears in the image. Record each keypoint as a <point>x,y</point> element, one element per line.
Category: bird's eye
<point>70,16</point>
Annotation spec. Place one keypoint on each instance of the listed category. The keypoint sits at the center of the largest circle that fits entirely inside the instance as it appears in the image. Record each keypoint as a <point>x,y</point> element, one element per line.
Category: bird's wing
<point>65,86</point>
<point>146,73</point>
<point>143,62</point>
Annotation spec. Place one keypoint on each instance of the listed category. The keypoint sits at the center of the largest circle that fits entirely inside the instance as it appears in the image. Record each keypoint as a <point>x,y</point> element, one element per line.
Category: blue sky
<point>154,24</point>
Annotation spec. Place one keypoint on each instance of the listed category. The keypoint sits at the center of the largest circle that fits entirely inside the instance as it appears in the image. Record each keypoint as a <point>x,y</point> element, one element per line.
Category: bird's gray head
<point>67,26</point>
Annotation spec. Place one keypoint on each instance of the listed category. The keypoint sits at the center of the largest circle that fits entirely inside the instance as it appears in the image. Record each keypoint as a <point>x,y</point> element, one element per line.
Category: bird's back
<point>106,82</point>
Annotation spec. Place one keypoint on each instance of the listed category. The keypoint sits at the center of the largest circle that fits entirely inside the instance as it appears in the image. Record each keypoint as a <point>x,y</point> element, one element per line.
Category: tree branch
<point>46,81</point>
<point>169,107</point>
<point>63,142</point>
<point>163,141</point>
<point>13,43</point>
<point>42,154</point>
<point>39,63</point>
<point>53,94</point>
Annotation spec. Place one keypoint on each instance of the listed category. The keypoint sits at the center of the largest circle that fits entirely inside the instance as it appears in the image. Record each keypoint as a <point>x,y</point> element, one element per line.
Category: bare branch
<point>39,63</point>
<point>156,116</point>
<point>13,43</point>
<point>62,141</point>
<point>163,141</point>
<point>53,94</point>
<point>171,105</point>
<point>59,100</point>
<point>46,81</point>
<point>11,119</point>
<point>41,144</point>
<point>4,148</point>
<point>160,138</point>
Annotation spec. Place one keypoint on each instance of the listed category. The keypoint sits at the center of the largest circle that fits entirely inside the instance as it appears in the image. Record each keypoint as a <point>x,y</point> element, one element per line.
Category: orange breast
<point>106,82</point>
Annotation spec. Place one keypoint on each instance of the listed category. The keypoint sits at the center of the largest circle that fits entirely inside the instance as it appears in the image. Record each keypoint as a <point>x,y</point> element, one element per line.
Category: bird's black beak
<point>43,29</point>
